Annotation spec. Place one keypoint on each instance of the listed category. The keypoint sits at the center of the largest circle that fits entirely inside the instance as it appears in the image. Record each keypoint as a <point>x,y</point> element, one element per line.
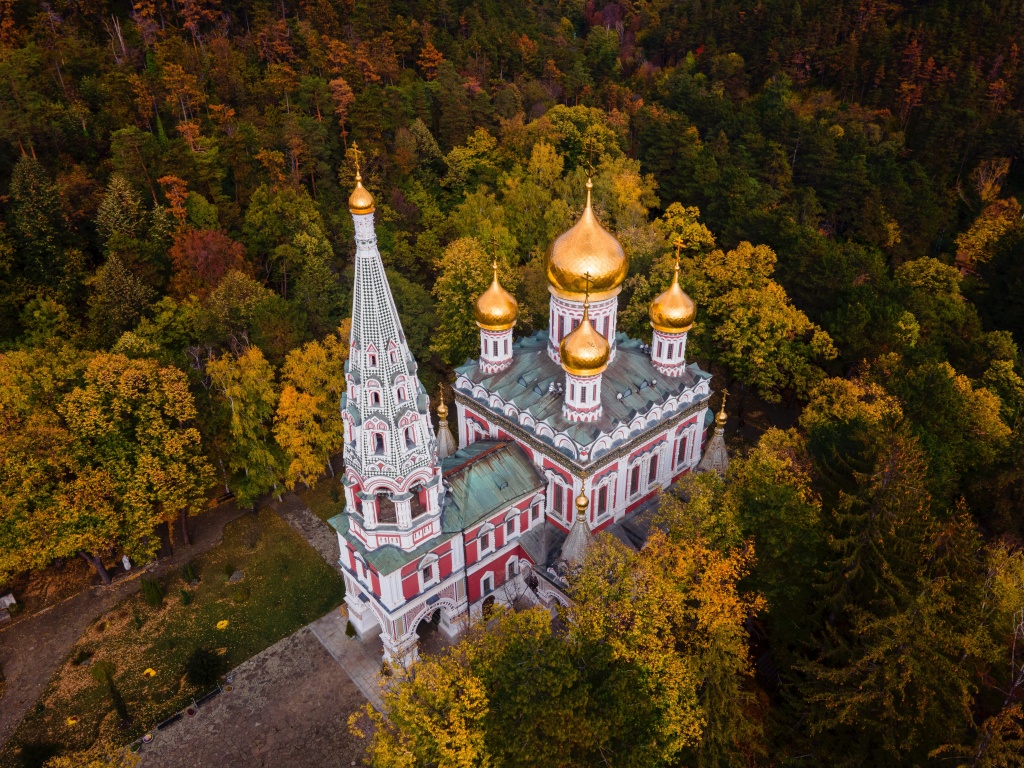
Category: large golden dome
<point>584,352</point>
<point>360,201</point>
<point>496,309</point>
<point>672,311</point>
<point>586,247</point>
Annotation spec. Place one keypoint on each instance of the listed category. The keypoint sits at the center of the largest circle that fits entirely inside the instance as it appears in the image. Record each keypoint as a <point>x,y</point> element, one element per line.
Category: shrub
<point>102,671</point>
<point>186,597</point>
<point>350,630</point>
<point>188,572</point>
<point>204,667</point>
<point>152,592</point>
<point>241,594</point>
<point>82,656</point>
<point>228,569</point>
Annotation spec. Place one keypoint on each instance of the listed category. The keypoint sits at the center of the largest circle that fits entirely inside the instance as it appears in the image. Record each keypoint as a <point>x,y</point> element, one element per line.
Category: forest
<point>843,180</point>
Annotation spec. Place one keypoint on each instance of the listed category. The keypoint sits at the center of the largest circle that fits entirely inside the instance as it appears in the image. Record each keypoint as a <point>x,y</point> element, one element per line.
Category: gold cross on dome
<point>356,152</point>
<point>591,147</point>
<point>586,290</point>
<point>679,244</point>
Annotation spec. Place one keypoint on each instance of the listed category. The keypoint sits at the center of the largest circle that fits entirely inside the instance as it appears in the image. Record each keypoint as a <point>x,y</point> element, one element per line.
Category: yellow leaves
<point>977,244</point>
<point>308,424</point>
<point>434,718</point>
<point>838,400</point>
<point>223,624</point>
<point>149,672</point>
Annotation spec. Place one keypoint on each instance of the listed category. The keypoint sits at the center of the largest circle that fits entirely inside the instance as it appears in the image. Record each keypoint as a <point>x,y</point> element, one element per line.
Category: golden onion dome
<point>672,311</point>
<point>360,201</point>
<point>584,352</point>
<point>586,248</point>
<point>495,309</point>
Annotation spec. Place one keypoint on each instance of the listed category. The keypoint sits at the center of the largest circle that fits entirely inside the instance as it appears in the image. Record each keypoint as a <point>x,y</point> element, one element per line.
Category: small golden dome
<point>584,352</point>
<point>442,409</point>
<point>495,309</point>
<point>360,201</point>
<point>672,311</point>
<point>586,247</point>
<point>582,502</point>
<point>721,417</point>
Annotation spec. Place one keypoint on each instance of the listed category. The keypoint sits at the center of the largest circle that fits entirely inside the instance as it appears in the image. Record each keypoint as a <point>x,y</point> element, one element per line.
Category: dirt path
<point>288,706</point>
<point>32,649</point>
<point>318,534</point>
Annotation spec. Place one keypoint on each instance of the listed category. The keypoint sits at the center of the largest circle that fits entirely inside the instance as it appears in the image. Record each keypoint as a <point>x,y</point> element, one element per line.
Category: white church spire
<point>392,474</point>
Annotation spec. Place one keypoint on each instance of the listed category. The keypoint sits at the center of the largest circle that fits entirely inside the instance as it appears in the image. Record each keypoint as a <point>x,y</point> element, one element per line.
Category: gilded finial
<point>591,149</point>
<point>721,417</point>
<point>679,244</point>
<point>355,156</point>
<point>442,409</point>
<point>360,201</point>
<point>582,502</point>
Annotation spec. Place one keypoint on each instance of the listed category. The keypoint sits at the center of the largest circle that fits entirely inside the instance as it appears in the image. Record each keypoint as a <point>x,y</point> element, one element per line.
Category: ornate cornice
<point>575,468</point>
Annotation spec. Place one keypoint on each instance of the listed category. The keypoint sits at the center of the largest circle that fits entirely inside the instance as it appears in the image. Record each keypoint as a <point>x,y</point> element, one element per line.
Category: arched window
<point>634,480</point>
<point>378,443</point>
<point>393,354</point>
<point>401,394</point>
<point>561,327</point>
<point>410,437</point>
<point>372,359</point>
<point>659,348</point>
<point>671,349</point>
<point>652,473</point>
<point>375,398</point>
<point>602,500</point>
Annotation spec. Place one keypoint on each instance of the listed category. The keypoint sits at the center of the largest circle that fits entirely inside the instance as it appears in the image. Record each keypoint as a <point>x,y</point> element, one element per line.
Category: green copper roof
<point>482,479</point>
<point>631,374</point>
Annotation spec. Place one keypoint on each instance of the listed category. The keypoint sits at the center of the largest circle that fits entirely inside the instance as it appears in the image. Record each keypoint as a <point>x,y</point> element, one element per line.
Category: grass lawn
<point>326,499</point>
<point>286,585</point>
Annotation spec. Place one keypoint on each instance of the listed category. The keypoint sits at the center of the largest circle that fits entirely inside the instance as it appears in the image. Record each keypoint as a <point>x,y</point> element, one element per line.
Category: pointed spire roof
<point>716,456</point>
<point>384,404</point>
<point>574,550</point>
<point>445,440</point>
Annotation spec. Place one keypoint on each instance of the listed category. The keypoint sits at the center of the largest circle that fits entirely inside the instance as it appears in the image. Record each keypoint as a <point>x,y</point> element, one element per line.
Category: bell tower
<point>392,474</point>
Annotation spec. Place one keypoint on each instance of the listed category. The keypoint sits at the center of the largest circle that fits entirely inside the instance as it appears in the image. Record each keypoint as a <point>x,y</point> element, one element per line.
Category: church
<point>560,434</point>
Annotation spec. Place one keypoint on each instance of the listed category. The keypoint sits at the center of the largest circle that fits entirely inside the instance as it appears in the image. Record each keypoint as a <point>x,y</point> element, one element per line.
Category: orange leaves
<point>429,61</point>
<point>200,259</point>
<point>176,191</point>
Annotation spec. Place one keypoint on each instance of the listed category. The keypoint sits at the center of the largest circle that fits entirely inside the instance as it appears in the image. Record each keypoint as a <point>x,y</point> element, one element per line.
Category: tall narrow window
<point>510,529</point>
<point>561,327</point>
<point>506,346</point>
<point>652,473</point>
<point>557,491</point>
<point>602,500</point>
<point>511,569</point>
<point>634,480</point>
<point>572,391</point>
<point>681,455</point>
<point>410,437</point>
<point>375,399</point>
<point>583,394</point>
<point>494,348</point>
<point>671,349</point>
<point>659,348</point>
<point>401,394</point>
<point>372,358</point>
<point>378,443</point>
<point>393,355</point>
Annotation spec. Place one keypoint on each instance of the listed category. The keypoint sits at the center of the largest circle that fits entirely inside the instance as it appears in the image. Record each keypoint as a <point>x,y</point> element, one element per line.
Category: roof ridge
<point>459,467</point>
